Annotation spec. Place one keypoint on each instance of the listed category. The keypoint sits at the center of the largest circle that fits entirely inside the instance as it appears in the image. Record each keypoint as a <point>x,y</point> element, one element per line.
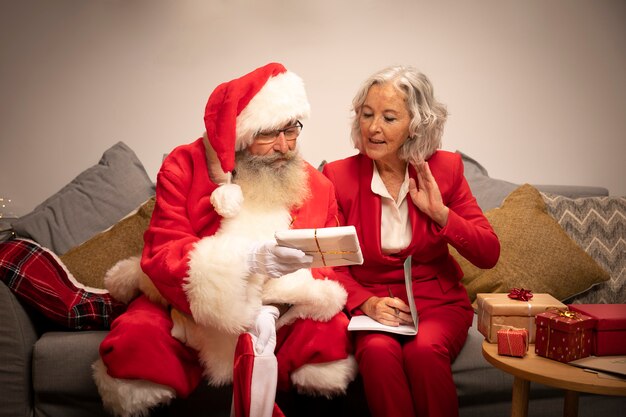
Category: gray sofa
<point>45,370</point>
<point>47,373</point>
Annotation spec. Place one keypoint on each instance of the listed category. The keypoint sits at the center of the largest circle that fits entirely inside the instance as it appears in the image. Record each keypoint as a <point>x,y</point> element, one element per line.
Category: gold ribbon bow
<point>564,313</point>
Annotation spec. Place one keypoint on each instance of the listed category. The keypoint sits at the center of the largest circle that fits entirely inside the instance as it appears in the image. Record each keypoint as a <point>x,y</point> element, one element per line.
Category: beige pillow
<point>90,261</point>
<point>536,253</point>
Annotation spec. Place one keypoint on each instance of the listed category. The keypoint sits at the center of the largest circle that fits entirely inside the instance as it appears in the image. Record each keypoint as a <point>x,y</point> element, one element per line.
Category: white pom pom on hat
<point>227,200</point>
<point>264,99</point>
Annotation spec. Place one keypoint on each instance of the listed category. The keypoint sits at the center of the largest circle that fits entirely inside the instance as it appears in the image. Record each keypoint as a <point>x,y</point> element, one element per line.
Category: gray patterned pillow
<point>598,226</point>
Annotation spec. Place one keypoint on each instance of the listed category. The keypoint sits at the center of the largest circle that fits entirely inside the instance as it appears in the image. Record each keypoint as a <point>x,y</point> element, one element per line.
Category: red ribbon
<point>520,294</point>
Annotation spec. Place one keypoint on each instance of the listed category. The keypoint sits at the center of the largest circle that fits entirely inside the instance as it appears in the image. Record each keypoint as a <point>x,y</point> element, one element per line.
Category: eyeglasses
<point>291,134</point>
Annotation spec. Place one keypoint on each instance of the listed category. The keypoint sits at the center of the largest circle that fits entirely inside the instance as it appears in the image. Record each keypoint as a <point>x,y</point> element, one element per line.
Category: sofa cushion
<point>90,261</point>
<point>62,374</point>
<point>536,253</point>
<point>92,202</point>
<point>489,192</point>
<point>598,225</point>
<point>473,375</point>
<point>64,386</point>
<point>17,336</point>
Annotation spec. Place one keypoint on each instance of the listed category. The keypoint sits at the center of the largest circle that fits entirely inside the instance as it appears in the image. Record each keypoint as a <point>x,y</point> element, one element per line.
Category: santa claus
<point>214,293</point>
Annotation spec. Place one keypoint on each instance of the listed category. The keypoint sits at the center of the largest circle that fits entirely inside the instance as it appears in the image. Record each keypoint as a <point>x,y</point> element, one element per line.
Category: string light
<point>5,210</point>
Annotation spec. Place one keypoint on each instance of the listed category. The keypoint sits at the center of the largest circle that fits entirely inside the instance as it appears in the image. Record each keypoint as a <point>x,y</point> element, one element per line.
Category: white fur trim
<point>263,385</point>
<point>219,287</point>
<point>129,398</point>
<point>122,279</point>
<point>327,379</point>
<point>282,99</point>
<point>215,349</point>
<point>125,280</point>
<point>227,200</point>
<point>179,326</point>
<point>318,299</point>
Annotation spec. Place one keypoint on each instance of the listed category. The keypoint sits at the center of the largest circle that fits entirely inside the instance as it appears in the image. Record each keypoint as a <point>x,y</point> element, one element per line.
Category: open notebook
<point>367,323</point>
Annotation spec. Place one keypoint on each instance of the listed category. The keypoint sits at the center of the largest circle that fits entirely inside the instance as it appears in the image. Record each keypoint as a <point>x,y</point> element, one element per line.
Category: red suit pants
<point>140,346</point>
<point>411,376</point>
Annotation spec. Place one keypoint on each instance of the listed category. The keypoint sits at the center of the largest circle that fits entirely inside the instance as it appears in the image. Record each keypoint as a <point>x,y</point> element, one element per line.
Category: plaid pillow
<point>37,278</point>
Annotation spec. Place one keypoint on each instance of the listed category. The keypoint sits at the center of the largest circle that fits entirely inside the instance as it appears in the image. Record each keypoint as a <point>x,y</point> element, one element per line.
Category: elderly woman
<point>406,198</point>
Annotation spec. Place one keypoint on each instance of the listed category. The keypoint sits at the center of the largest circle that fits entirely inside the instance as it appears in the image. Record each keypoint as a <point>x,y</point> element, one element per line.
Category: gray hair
<point>428,116</point>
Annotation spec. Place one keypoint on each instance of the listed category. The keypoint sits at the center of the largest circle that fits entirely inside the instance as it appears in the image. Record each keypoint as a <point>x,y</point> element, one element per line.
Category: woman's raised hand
<point>427,196</point>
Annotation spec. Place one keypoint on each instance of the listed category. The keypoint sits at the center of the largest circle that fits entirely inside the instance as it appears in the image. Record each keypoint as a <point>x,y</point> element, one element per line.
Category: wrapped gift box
<point>329,246</point>
<point>513,342</point>
<point>563,335</point>
<point>498,311</point>
<point>609,334</point>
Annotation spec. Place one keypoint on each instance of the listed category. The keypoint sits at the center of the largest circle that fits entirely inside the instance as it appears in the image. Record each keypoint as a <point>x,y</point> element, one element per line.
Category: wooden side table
<point>549,372</point>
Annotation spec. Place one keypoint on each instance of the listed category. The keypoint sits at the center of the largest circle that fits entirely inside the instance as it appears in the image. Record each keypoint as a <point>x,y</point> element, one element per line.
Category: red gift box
<point>513,342</point>
<point>563,335</point>
<point>609,334</point>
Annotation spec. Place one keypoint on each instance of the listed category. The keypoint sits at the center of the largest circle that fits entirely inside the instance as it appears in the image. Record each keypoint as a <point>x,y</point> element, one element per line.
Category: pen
<point>394,309</point>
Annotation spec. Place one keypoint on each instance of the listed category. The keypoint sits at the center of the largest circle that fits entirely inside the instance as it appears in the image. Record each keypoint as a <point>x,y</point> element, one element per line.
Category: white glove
<point>269,259</point>
<point>264,331</point>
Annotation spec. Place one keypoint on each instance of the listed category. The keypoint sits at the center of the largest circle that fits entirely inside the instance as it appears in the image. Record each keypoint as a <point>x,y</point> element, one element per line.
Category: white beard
<point>277,180</point>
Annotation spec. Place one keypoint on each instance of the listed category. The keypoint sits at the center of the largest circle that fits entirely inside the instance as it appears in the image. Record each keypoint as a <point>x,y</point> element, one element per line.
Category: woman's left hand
<point>427,197</point>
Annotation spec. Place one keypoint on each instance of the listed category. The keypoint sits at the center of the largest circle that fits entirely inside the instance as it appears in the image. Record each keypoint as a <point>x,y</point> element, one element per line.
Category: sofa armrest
<point>17,338</point>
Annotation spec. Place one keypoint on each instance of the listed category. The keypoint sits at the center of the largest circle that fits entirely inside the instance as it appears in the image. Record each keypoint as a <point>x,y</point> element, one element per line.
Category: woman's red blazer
<point>467,230</point>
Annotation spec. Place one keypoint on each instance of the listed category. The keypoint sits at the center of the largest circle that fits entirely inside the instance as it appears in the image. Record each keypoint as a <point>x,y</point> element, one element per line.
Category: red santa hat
<point>264,99</point>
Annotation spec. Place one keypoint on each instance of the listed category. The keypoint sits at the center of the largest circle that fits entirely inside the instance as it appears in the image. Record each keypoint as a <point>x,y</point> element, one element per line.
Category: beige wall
<point>536,89</point>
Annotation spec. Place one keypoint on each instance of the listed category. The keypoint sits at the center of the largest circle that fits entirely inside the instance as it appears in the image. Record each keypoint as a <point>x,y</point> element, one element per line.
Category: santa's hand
<point>269,259</point>
<point>264,330</point>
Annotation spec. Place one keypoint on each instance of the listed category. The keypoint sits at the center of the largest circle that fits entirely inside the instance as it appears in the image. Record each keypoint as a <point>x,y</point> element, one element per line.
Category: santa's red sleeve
<point>172,233</point>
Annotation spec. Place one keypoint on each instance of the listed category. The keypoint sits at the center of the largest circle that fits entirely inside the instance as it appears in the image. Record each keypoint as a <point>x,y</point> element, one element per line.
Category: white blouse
<point>395,225</point>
